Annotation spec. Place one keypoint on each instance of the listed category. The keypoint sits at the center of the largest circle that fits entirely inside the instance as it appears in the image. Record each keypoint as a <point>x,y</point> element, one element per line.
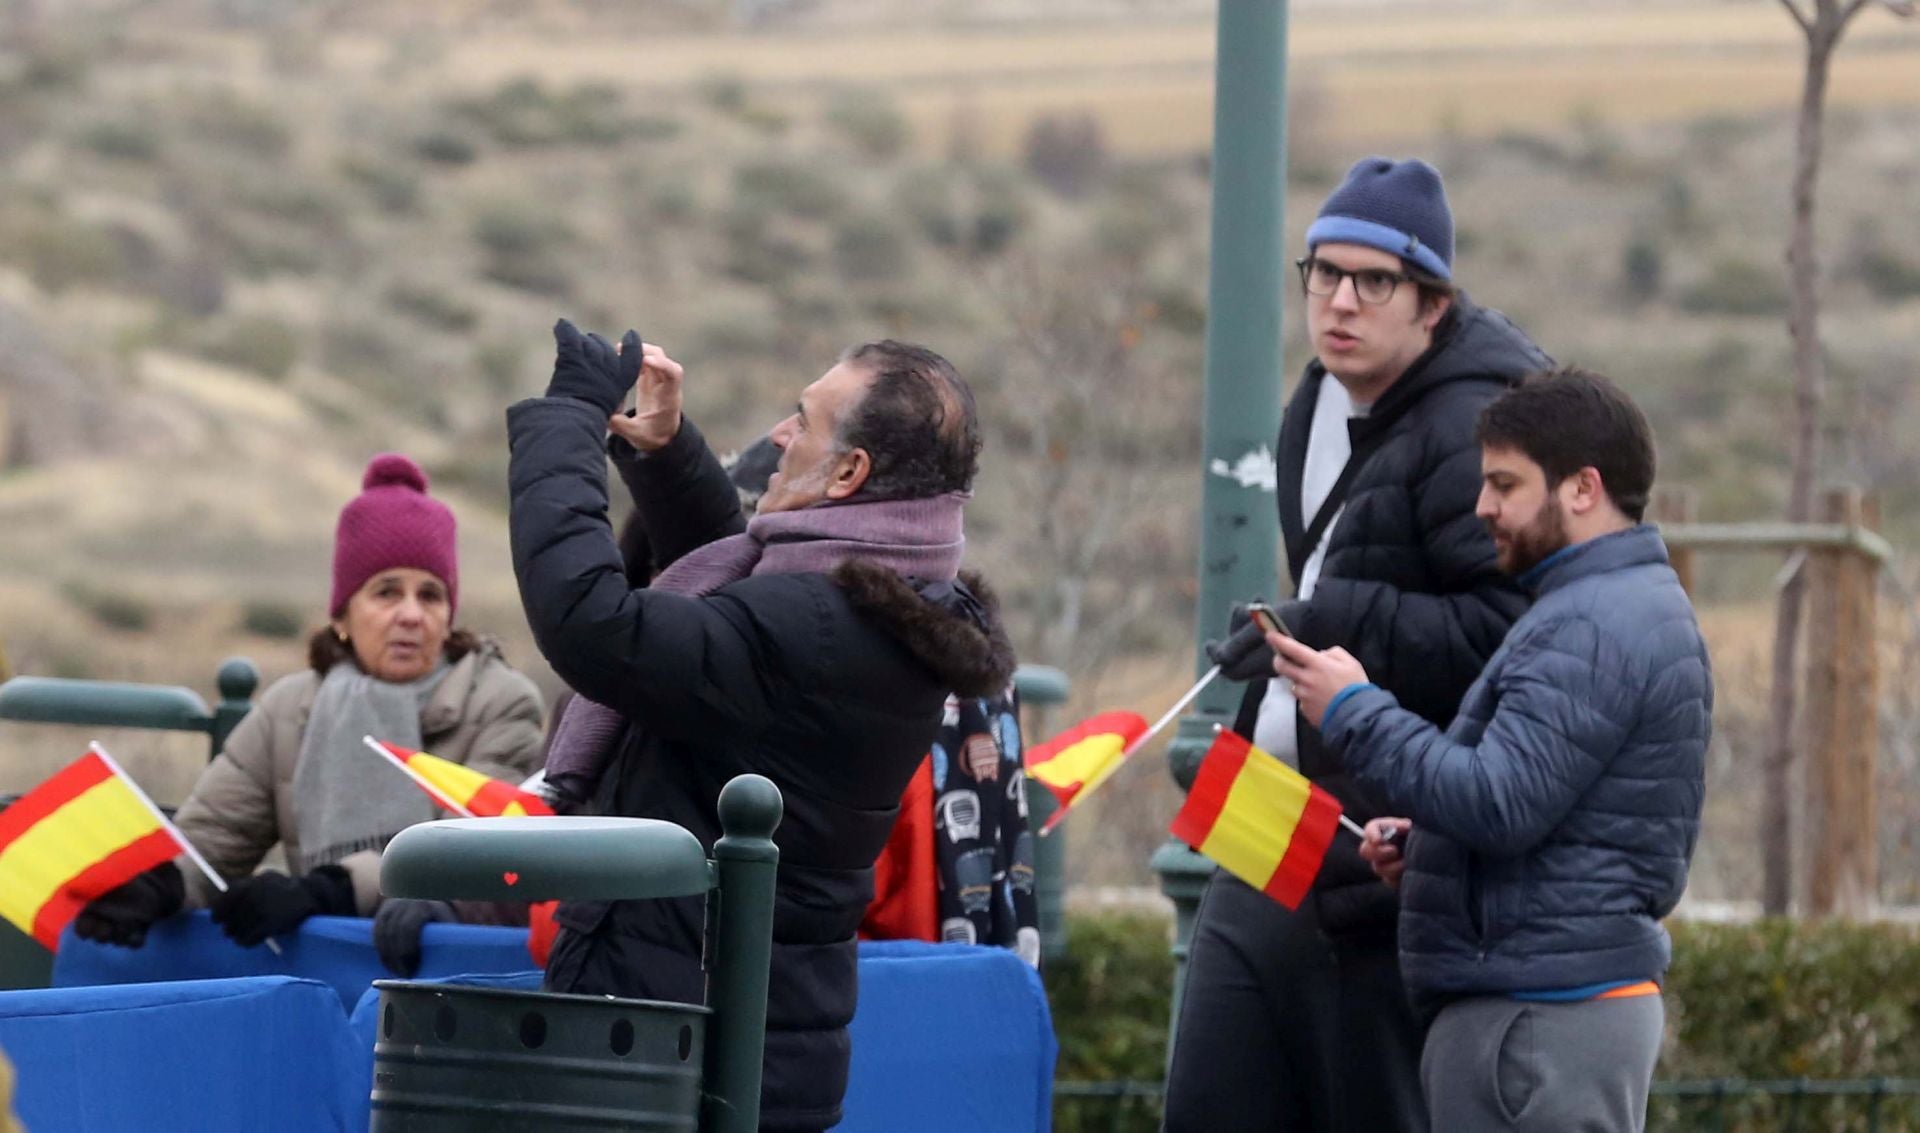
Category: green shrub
<point>1737,287</point>
<point>870,249</point>
<point>61,253</point>
<point>974,211</point>
<point>723,92</point>
<point>1770,1000</point>
<point>1068,154</point>
<point>432,306</point>
<point>522,113</point>
<point>389,185</point>
<point>272,619</point>
<point>366,350</point>
<point>1110,994</point>
<point>234,124</point>
<point>499,365</point>
<point>771,185</point>
<point>1888,275</point>
<point>525,247</point>
<point>1642,266</point>
<point>755,253</point>
<point>869,122</point>
<point>1788,999</point>
<point>446,147</point>
<point>517,228</point>
<point>256,343</point>
<point>112,609</point>
<point>122,140</point>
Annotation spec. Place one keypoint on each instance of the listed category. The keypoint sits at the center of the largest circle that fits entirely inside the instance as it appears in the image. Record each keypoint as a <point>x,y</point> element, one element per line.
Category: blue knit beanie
<point>1399,207</point>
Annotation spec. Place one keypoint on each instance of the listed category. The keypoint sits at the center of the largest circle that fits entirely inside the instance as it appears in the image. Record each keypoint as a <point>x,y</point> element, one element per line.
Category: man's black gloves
<point>122,916</point>
<point>587,368</point>
<point>397,924</point>
<point>1245,654</point>
<point>268,904</point>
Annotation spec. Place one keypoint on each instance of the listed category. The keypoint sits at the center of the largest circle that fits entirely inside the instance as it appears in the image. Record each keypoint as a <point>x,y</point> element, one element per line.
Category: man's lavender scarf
<point>920,539</point>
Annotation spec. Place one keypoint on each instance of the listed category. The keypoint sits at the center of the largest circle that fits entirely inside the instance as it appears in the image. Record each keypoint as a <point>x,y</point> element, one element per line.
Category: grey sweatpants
<point>1499,1064</point>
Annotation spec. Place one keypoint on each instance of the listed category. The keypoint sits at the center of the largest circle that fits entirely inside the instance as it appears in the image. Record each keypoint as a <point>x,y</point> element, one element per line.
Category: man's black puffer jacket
<point>830,685</point>
<point>1410,585</point>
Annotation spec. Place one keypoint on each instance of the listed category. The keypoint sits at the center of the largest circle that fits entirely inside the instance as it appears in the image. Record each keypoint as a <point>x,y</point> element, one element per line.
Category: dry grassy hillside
<point>243,246</point>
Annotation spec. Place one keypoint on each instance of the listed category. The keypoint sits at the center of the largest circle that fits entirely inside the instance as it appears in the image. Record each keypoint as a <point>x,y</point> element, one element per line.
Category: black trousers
<point>1281,1032</point>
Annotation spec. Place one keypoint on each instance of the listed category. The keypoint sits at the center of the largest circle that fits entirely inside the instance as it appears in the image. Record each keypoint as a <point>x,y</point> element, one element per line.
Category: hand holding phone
<point>1267,619</point>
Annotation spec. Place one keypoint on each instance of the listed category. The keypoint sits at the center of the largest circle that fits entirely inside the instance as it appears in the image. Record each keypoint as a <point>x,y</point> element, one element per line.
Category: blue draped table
<point>946,1039</point>
<point>337,951</point>
<point>207,1056</point>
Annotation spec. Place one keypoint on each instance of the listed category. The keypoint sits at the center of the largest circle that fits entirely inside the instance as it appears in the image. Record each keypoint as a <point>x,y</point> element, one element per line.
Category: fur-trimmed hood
<point>953,627</point>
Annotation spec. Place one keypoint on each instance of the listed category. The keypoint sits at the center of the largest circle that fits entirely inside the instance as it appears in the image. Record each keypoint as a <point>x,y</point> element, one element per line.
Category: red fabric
<point>541,929</point>
<point>906,897</point>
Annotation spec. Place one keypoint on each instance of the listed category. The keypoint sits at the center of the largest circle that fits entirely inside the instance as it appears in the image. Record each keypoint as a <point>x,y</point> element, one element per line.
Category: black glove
<point>122,916</point>
<point>587,367</point>
<point>270,903</point>
<point>1245,654</point>
<point>396,930</point>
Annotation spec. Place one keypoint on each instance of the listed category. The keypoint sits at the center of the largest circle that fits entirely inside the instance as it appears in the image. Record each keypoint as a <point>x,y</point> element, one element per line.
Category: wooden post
<point>1678,504</point>
<point>1842,720</point>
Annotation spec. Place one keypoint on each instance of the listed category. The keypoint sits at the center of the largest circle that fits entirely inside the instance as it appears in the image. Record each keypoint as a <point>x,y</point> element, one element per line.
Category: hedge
<point>1769,1000</point>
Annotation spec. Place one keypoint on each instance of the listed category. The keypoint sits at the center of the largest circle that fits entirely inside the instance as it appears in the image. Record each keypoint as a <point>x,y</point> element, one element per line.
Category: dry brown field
<point>1379,74</point>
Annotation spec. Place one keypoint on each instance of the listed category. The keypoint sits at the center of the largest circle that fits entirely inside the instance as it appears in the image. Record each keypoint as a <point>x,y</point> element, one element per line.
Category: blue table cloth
<point>337,951</point>
<point>949,1038</point>
<point>200,1056</point>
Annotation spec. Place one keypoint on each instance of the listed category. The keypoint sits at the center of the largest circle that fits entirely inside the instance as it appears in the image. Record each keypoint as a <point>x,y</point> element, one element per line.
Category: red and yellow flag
<point>81,833</point>
<point>461,788</point>
<point>1259,819</point>
<point>1076,759</point>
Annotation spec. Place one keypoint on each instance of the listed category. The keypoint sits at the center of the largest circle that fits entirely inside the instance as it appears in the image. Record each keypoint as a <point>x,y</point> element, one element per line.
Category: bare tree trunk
<point>1823,31</point>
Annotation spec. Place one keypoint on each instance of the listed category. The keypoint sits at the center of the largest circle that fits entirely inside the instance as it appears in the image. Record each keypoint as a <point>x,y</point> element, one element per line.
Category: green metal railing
<point>113,704</point>
<point>1706,1105</point>
<point>1041,688</point>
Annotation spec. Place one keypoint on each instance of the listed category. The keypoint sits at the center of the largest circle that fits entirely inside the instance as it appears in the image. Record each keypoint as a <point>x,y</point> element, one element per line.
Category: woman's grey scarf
<point>347,798</point>
<point>920,539</point>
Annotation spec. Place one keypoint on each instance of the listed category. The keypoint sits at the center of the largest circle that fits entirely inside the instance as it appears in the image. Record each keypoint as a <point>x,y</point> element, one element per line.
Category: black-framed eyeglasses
<point>1373,285</point>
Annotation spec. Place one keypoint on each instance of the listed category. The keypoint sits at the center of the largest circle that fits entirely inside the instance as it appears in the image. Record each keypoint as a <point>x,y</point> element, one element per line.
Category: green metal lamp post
<point>1239,530</point>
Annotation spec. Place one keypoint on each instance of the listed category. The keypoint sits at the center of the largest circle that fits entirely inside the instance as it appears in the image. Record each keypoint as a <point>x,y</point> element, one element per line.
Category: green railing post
<point>1239,525</point>
<point>236,682</point>
<point>747,860</point>
<point>113,704</point>
<point>1040,688</point>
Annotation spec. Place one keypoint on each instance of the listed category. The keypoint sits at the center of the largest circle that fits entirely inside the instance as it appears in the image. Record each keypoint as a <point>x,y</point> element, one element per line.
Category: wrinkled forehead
<point>835,391</point>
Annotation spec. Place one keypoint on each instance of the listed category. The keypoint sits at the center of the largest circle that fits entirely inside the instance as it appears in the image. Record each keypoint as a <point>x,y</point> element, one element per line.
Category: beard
<point>1529,546</point>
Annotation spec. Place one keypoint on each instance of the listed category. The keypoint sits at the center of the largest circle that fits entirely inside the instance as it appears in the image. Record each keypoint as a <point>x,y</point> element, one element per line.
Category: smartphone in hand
<point>1267,619</point>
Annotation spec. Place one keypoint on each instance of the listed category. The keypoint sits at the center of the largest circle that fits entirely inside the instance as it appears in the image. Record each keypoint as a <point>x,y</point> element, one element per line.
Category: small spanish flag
<point>1081,756</point>
<point>459,788</point>
<point>85,831</point>
<point>1259,819</point>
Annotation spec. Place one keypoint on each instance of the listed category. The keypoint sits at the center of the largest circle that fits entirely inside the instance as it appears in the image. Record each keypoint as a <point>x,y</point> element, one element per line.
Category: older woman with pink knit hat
<point>295,773</point>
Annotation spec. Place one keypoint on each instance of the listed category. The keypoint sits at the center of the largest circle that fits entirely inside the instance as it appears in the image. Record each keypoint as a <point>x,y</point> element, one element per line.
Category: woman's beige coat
<point>484,715</point>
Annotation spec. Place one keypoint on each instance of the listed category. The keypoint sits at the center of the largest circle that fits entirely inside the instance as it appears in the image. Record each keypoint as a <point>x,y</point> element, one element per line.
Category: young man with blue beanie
<point>1298,1020</point>
<point>1553,820</point>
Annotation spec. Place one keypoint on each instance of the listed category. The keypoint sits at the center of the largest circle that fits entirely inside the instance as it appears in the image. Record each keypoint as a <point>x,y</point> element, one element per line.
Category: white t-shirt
<point>1328,447</point>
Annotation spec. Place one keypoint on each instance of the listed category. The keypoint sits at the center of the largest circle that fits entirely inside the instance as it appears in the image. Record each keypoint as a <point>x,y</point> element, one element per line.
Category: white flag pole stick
<point>1107,772</point>
<point>441,796</point>
<point>179,839</point>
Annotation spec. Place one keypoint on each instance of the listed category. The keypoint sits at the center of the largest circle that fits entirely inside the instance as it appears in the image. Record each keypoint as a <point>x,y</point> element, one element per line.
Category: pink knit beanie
<point>392,523</point>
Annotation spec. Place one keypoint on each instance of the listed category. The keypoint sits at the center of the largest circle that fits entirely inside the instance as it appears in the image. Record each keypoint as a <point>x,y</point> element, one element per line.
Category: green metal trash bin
<point>485,1059</point>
